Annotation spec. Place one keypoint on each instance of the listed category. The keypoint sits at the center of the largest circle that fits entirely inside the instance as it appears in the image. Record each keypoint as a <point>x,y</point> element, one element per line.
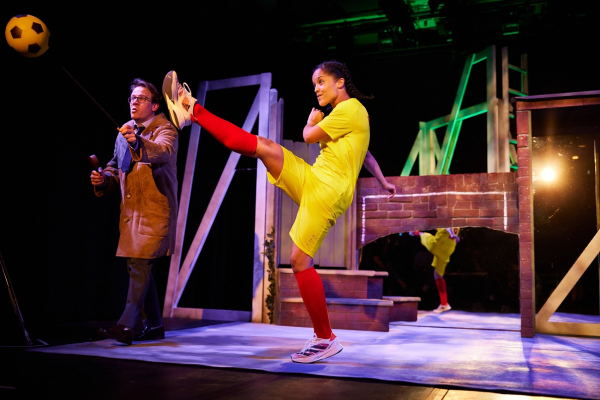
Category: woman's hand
<point>390,187</point>
<point>312,132</point>
<point>373,167</point>
<point>315,117</point>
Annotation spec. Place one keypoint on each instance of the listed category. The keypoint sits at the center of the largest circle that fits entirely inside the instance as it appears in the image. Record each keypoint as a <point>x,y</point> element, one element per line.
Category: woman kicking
<point>442,246</point>
<point>323,191</point>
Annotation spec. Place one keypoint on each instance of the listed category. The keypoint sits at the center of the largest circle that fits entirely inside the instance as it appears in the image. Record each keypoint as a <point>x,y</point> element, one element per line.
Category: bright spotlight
<point>548,174</point>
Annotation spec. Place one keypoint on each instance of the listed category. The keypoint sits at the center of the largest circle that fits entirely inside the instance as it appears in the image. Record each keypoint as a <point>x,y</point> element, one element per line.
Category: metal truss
<point>501,153</point>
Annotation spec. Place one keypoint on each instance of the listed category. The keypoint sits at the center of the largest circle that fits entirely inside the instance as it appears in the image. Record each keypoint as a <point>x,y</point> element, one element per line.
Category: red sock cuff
<point>233,137</point>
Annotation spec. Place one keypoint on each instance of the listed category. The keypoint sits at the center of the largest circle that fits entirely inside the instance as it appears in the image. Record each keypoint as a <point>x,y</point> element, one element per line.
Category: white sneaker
<point>442,308</point>
<point>179,100</point>
<point>317,349</point>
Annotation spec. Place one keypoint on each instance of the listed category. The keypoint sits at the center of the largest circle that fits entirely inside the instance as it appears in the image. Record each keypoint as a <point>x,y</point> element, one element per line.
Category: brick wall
<point>526,287</point>
<point>337,284</point>
<point>353,300</point>
<point>361,317</point>
<point>437,201</point>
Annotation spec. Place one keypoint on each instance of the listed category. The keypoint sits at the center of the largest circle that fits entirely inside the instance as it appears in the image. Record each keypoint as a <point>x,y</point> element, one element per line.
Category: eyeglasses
<point>139,99</point>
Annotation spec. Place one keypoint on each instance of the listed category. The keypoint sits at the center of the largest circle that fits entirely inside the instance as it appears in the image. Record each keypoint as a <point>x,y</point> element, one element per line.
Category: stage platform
<point>453,350</point>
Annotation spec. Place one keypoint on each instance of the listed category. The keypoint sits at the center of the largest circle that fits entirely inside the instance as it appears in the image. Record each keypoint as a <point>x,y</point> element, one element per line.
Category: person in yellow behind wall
<point>442,246</point>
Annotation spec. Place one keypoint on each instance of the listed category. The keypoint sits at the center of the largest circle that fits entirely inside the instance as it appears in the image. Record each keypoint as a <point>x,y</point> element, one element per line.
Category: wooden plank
<point>278,192</point>
<point>493,141</point>
<point>337,239</point>
<point>313,152</point>
<point>351,261</point>
<point>241,81</point>
<point>543,325</point>
<point>184,205</point>
<point>327,248</point>
<point>560,103</point>
<point>300,150</point>
<point>287,218</point>
<point>339,242</point>
<point>260,210</point>
<point>216,315</point>
<point>272,205</point>
<point>325,255</point>
<point>437,394</point>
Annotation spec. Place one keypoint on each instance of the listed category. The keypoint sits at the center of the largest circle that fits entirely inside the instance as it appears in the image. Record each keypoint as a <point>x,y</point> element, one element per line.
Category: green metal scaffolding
<point>501,153</point>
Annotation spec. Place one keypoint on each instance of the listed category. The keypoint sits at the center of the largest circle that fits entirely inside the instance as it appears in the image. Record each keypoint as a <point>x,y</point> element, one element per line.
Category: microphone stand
<point>13,299</point>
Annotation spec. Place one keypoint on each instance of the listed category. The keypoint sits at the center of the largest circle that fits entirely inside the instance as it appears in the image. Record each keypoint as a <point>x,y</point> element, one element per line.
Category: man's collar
<point>147,122</point>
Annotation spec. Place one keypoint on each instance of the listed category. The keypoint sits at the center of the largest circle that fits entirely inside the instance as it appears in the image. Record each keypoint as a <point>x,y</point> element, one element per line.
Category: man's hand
<point>128,134</point>
<point>97,177</point>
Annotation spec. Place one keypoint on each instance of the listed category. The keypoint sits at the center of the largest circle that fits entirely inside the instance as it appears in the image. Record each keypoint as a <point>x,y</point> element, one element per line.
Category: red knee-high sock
<point>234,138</point>
<point>313,293</point>
<point>441,285</point>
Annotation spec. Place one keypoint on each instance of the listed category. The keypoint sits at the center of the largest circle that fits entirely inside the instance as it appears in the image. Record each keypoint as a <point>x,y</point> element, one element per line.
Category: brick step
<point>338,283</point>
<point>344,313</point>
<point>404,308</point>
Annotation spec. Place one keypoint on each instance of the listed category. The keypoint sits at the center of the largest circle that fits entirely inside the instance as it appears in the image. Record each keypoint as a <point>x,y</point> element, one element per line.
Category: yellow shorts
<point>439,266</point>
<point>319,204</point>
<point>442,247</point>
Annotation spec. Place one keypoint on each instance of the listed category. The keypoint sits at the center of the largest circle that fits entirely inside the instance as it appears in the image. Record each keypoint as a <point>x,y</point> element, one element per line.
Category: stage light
<point>548,174</point>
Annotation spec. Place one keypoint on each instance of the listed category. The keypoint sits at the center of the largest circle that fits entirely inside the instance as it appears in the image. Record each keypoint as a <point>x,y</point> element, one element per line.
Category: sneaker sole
<point>332,352</point>
<point>169,89</point>
<point>173,115</point>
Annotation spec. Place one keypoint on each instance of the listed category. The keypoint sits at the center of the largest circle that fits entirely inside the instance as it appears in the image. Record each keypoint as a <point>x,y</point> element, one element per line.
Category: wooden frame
<point>265,103</point>
<point>530,322</point>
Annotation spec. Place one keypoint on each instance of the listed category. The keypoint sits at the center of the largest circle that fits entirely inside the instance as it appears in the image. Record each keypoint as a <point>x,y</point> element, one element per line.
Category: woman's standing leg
<point>312,291</point>
<point>441,286</point>
<point>324,343</point>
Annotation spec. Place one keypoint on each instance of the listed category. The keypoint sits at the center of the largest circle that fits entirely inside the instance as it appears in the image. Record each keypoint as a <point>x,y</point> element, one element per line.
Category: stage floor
<point>487,321</point>
<point>452,350</point>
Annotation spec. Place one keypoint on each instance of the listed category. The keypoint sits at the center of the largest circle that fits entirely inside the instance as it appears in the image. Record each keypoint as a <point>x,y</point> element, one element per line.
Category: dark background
<point>58,241</point>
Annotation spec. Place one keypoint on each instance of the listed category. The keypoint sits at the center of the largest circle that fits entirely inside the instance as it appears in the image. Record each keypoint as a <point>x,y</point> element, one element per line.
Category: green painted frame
<point>502,156</point>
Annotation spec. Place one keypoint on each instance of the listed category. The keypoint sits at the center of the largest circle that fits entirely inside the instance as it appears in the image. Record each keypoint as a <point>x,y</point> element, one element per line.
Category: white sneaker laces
<point>185,88</point>
<point>309,344</point>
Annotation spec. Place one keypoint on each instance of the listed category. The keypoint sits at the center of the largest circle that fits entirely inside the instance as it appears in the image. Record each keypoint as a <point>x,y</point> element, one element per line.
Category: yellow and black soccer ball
<point>28,35</point>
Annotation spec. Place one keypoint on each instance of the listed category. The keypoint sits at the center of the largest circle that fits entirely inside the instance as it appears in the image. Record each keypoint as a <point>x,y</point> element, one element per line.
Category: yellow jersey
<point>343,152</point>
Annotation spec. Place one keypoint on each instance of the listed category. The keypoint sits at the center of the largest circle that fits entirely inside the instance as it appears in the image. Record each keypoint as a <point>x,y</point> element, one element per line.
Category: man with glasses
<point>144,168</point>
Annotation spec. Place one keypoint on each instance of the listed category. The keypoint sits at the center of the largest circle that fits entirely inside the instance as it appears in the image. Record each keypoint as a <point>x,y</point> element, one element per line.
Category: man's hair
<point>156,96</point>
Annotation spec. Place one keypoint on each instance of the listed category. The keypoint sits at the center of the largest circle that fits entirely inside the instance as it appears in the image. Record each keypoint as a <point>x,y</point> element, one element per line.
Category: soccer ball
<point>28,35</point>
